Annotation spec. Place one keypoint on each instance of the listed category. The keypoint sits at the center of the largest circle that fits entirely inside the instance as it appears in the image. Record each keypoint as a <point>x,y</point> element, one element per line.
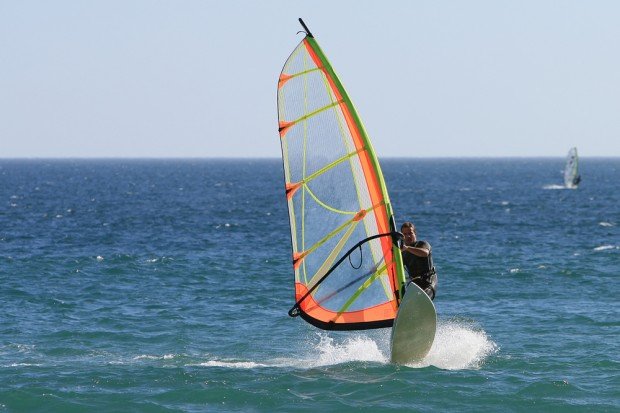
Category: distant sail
<point>337,201</point>
<point>571,170</point>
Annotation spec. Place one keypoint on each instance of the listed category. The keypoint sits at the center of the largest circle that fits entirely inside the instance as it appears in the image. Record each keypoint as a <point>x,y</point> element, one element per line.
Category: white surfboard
<point>414,327</point>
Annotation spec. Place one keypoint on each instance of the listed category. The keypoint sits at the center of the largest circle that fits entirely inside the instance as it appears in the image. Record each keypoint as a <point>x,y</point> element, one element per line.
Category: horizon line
<point>43,158</point>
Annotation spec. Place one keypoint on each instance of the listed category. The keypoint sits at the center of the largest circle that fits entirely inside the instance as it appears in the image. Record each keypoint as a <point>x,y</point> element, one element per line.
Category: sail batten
<point>336,198</point>
<point>286,125</point>
<point>323,170</point>
<point>284,77</point>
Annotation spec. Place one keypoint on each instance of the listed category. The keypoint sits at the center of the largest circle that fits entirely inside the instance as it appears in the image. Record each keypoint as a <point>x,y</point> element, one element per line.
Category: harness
<point>424,280</point>
<point>426,275</point>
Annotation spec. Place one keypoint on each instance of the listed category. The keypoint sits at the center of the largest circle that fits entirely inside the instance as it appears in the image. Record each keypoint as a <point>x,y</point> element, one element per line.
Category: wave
<point>554,186</point>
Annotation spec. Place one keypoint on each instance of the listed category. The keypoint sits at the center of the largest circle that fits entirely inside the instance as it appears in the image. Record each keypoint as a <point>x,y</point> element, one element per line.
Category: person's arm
<point>419,251</point>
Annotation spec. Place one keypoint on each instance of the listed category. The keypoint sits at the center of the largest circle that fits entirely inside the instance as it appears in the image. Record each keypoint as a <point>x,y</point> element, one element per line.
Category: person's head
<point>408,230</point>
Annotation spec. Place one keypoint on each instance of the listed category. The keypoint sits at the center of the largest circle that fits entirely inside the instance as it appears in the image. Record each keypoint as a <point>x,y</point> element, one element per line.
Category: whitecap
<point>553,186</point>
<point>150,357</point>
<point>606,224</point>
<point>232,364</point>
<point>604,247</point>
<point>24,365</point>
<point>24,348</point>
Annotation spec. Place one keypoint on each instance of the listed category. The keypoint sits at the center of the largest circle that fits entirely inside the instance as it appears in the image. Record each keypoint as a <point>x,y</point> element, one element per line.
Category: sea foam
<point>457,346</point>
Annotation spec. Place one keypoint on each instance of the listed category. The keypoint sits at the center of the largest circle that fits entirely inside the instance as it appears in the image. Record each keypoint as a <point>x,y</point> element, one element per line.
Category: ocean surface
<point>164,286</point>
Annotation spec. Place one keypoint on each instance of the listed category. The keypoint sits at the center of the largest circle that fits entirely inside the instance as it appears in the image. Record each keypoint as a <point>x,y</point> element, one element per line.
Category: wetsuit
<point>421,270</point>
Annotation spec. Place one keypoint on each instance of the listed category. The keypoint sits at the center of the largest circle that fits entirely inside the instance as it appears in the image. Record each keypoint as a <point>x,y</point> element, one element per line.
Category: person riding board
<point>418,260</point>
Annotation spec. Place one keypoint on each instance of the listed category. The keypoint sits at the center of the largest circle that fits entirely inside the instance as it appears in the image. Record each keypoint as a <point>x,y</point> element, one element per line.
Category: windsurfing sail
<point>571,170</point>
<point>347,264</point>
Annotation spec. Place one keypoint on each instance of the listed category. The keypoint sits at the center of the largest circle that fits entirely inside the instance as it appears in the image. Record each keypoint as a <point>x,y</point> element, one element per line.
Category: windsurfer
<point>418,260</point>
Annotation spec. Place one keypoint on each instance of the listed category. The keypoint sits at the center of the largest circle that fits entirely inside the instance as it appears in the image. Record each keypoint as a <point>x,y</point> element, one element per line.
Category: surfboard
<point>414,327</point>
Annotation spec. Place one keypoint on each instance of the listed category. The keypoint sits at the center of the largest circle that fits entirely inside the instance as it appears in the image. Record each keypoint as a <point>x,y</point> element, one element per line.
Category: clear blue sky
<point>198,78</point>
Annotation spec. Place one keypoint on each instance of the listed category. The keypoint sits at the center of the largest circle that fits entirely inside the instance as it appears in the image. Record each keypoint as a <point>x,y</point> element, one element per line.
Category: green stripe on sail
<point>316,112</point>
<point>319,173</point>
<point>331,258</point>
<point>362,288</point>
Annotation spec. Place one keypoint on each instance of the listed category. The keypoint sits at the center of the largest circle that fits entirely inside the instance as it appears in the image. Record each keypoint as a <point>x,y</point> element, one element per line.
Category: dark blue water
<point>163,285</point>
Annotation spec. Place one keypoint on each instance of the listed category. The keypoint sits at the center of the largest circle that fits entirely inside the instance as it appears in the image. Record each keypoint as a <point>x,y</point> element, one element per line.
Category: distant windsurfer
<point>418,260</point>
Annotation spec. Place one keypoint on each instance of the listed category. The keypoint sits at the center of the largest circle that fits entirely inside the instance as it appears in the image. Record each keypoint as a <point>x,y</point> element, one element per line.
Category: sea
<point>163,285</point>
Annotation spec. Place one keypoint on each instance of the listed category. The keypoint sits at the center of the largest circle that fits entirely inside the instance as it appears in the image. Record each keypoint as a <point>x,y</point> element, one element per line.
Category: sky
<point>159,79</point>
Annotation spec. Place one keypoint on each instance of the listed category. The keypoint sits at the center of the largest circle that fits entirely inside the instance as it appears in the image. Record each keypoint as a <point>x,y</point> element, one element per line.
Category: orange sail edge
<point>283,79</point>
<point>291,188</point>
<point>284,127</point>
<point>378,316</point>
<point>298,257</point>
<point>360,215</point>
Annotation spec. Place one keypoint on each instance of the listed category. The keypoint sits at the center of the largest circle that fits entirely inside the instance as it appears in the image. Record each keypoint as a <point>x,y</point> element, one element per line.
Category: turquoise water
<point>164,286</point>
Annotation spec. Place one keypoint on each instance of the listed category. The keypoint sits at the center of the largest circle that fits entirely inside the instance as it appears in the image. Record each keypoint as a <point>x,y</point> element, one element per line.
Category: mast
<point>305,28</point>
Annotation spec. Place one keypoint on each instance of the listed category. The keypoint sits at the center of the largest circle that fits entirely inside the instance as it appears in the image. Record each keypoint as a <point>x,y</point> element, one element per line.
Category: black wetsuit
<point>421,270</point>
